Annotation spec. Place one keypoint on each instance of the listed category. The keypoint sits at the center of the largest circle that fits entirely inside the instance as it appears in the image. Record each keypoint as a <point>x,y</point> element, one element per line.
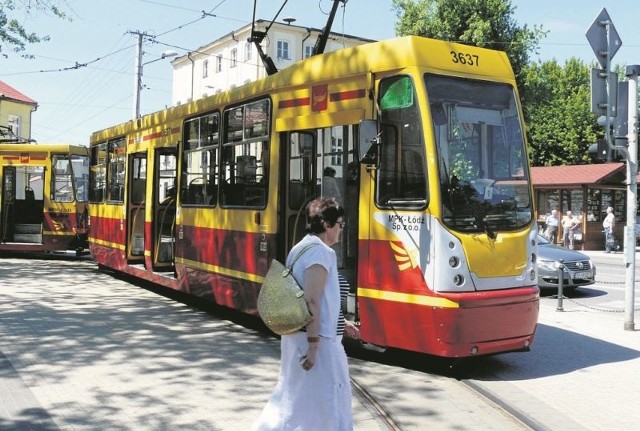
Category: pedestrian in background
<point>313,392</point>
<point>551,232</point>
<point>607,225</point>
<point>569,224</point>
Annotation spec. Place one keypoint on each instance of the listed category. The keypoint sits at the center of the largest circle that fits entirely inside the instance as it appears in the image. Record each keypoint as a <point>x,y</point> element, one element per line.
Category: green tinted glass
<point>398,95</point>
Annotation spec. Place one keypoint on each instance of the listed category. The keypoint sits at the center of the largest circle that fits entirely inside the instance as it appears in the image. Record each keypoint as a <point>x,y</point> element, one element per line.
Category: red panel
<point>451,332</point>
<point>491,321</point>
<point>384,271</point>
<point>107,229</point>
<point>236,250</point>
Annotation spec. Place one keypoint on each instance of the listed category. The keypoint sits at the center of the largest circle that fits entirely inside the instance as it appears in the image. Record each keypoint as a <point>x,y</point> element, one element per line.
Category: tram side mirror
<point>368,142</point>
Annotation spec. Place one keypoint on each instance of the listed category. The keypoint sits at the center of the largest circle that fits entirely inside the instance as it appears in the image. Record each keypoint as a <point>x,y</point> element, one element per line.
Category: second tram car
<point>421,140</point>
<point>43,197</point>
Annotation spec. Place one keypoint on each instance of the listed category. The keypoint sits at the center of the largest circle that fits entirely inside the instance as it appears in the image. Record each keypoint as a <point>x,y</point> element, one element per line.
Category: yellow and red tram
<point>43,197</point>
<point>421,140</point>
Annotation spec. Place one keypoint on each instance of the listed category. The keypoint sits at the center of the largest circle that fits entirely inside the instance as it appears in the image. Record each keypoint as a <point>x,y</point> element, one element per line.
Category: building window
<point>248,51</point>
<point>234,57</point>
<point>283,50</point>
<point>13,121</point>
<point>205,68</point>
<point>308,50</point>
<point>219,63</point>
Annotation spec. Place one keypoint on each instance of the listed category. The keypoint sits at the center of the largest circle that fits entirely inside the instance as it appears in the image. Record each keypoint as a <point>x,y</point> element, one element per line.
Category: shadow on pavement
<point>555,351</point>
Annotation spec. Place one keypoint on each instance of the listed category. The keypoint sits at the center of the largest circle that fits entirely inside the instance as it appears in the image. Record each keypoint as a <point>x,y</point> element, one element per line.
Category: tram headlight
<point>454,261</point>
<point>458,280</point>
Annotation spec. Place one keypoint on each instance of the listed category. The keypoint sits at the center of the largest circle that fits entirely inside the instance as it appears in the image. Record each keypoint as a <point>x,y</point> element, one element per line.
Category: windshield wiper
<point>481,224</point>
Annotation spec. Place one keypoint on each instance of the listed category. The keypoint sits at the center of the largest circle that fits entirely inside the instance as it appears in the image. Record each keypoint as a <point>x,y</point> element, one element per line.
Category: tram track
<point>403,391</point>
<point>374,407</point>
<point>518,416</point>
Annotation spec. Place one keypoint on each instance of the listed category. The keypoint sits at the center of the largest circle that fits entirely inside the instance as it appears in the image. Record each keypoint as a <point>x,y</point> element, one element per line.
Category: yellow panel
<point>315,121</point>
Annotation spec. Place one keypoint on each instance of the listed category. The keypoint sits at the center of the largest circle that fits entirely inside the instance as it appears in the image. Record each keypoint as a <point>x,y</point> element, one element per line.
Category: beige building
<point>232,60</point>
<point>15,113</point>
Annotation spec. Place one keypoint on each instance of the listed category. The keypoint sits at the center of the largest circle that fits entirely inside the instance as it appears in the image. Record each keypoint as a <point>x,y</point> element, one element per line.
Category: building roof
<point>8,92</point>
<point>577,175</point>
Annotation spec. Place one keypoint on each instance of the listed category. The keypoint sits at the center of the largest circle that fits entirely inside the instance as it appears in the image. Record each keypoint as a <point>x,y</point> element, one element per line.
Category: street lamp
<point>138,78</point>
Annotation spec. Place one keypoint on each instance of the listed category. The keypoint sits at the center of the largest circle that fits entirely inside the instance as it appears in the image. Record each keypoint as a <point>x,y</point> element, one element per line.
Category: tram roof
<point>46,148</point>
<point>390,56</point>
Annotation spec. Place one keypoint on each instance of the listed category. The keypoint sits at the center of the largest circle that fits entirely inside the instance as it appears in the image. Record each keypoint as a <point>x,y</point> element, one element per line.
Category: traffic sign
<point>597,37</point>
<point>600,97</point>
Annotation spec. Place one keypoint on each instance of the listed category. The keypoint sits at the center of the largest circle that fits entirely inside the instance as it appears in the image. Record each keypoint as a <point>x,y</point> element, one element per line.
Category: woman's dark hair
<point>323,209</point>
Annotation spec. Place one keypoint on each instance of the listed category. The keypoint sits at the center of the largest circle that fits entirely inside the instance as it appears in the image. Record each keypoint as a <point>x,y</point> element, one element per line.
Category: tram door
<point>321,163</point>
<point>7,198</point>
<point>136,207</point>
<point>165,183</point>
<point>22,204</point>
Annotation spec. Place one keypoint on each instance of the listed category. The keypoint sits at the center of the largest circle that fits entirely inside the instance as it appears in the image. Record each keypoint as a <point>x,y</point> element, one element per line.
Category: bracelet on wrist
<point>313,339</point>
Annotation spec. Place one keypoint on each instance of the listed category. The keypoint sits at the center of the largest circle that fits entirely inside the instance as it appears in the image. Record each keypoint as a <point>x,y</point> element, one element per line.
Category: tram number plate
<point>582,275</point>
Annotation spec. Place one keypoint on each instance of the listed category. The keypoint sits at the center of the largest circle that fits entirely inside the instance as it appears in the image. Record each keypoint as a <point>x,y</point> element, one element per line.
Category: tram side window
<point>245,160</point>
<point>62,179</point>
<point>98,173</point>
<point>115,170</point>
<point>200,161</point>
<point>402,179</point>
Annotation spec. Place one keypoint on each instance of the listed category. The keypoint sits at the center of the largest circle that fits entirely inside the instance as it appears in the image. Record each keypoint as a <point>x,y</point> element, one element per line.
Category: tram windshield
<point>481,155</point>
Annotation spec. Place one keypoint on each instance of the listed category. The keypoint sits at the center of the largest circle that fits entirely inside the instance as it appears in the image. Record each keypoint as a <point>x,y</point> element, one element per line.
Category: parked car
<point>578,271</point>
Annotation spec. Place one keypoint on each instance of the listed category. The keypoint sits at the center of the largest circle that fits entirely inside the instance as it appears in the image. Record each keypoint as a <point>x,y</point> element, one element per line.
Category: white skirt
<point>314,400</point>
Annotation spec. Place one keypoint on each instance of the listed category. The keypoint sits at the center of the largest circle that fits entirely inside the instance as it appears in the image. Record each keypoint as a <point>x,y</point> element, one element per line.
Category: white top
<point>609,221</point>
<point>325,256</point>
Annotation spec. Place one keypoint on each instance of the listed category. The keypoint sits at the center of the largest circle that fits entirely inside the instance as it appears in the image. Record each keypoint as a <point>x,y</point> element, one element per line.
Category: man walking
<point>607,224</point>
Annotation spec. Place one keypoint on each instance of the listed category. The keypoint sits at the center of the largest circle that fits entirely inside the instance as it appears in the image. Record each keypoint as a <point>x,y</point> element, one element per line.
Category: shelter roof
<point>574,175</point>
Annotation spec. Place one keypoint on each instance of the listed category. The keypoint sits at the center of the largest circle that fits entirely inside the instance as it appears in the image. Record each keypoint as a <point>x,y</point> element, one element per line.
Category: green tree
<point>13,35</point>
<point>560,124</point>
<point>484,23</point>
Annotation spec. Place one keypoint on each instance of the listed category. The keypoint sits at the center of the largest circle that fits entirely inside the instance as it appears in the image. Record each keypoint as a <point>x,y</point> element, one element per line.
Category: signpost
<point>605,42</point>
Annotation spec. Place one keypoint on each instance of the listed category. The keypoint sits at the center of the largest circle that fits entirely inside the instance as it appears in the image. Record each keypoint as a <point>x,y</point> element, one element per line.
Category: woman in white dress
<point>313,392</point>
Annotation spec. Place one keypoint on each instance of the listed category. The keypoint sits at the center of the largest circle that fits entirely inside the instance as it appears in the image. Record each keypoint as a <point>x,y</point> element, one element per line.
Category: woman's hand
<point>351,330</point>
<point>309,360</point>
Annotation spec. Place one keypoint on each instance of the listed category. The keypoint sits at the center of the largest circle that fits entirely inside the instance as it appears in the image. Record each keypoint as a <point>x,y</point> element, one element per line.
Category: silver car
<point>578,271</point>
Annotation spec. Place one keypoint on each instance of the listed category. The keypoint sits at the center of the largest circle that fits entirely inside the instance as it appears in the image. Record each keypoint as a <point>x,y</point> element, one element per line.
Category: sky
<point>83,77</point>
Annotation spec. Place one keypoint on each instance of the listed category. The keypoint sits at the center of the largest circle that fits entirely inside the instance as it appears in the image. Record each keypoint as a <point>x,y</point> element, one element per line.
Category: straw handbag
<point>281,301</point>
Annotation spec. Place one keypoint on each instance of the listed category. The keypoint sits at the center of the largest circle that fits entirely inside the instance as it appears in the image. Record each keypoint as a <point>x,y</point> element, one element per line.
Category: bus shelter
<point>587,191</point>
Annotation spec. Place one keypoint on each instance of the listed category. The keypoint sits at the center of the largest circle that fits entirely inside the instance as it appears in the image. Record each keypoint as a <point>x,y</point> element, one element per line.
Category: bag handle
<point>297,256</point>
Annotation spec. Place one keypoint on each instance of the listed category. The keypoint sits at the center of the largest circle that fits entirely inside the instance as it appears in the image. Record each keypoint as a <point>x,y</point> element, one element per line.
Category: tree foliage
<point>484,23</point>
<point>560,124</point>
<point>13,35</point>
<point>555,99</point>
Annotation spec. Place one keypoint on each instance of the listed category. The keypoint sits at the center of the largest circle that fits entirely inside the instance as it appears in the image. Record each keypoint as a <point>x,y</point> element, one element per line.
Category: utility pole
<point>137,76</point>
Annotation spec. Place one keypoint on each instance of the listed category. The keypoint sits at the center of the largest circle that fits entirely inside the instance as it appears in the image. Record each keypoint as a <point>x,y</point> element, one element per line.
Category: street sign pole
<point>632,171</point>
<point>605,42</point>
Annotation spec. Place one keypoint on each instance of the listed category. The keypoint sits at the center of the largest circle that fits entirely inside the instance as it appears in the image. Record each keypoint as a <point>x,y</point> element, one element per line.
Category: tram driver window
<point>62,179</point>
<point>402,179</point>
